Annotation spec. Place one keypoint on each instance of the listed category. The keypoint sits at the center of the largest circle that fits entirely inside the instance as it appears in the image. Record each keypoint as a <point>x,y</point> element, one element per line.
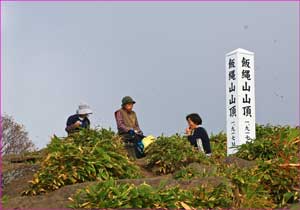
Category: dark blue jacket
<point>85,123</point>
<point>202,134</point>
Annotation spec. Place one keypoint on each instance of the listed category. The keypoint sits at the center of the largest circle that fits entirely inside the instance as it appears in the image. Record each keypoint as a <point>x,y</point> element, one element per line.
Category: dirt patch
<point>168,181</point>
<point>19,181</point>
<point>22,173</point>
<point>60,197</point>
<point>202,168</point>
<point>142,164</point>
<point>15,179</point>
<point>239,162</point>
<point>55,199</point>
<point>25,157</point>
<point>295,206</point>
<point>153,181</point>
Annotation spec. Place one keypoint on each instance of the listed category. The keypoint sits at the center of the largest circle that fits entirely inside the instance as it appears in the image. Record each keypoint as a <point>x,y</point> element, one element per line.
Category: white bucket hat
<point>84,109</point>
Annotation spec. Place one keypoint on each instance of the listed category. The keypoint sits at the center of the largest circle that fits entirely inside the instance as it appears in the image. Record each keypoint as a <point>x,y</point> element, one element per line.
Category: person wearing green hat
<point>128,126</point>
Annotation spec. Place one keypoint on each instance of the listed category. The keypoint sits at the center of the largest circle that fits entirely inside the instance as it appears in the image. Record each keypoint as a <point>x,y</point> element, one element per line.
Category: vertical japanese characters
<point>247,93</point>
<point>240,98</point>
<point>231,92</point>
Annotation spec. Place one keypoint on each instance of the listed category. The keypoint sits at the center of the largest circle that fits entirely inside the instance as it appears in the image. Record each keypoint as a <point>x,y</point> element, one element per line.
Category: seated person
<point>128,126</point>
<point>197,135</point>
<point>79,120</point>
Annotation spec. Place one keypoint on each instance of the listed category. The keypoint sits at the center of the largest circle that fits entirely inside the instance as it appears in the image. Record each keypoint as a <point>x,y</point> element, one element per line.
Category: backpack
<point>139,149</point>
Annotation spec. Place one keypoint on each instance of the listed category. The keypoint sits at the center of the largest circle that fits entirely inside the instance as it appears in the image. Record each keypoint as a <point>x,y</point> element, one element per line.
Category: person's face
<point>83,115</point>
<point>191,124</point>
<point>128,107</point>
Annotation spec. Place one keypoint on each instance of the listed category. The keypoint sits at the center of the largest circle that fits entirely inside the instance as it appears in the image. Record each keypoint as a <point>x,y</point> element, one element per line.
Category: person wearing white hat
<point>79,120</point>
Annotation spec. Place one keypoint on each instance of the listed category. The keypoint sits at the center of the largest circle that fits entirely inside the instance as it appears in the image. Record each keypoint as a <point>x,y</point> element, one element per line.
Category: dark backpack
<point>139,149</point>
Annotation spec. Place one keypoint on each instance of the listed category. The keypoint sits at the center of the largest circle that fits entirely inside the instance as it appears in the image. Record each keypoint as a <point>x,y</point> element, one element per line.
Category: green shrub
<point>271,142</point>
<point>218,144</point>
<point>280,179</point>
<point>168,154</point>
<point>4,199</point>
<point>85,156</point>
<point>109,194</point>
<point>276,149</point>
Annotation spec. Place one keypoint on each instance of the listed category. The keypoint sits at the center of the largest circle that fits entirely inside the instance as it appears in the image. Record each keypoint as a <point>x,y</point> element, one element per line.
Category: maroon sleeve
<point>120,122</point>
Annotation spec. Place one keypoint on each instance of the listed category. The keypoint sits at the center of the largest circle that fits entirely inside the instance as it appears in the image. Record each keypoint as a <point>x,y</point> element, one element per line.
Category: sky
<point>169,56</point>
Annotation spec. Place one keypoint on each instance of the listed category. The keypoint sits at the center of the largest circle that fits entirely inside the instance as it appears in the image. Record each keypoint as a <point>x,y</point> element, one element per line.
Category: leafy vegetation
<point>274,181</point>
<point>85,156</point>
<point>4,199</point>
<point>109,194</point>
<point>196,170</point>
<point>169,154</point>
<point>271,142</point>
<point>218,144</point>
<point>277,150</point>
<point>270,181</point>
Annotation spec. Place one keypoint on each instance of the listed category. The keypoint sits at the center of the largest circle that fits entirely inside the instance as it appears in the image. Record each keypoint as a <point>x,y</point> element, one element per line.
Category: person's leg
<point>129,145</point>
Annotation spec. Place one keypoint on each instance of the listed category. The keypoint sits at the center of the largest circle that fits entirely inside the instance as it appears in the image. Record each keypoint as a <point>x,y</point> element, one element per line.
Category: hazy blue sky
<point>168,56</point>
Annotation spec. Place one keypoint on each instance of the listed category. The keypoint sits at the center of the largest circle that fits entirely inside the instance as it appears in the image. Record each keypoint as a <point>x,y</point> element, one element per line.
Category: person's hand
<point>139,132</point>
<point>188,131</point>
<point>131,132</point>
<point>77,124</point>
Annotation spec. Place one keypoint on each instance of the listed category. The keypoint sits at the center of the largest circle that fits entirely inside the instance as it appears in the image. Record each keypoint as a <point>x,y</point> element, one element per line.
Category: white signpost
<point>240,98</point>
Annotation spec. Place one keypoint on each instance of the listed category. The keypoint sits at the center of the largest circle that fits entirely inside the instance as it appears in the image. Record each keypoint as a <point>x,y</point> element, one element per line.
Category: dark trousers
<point>130,144</point>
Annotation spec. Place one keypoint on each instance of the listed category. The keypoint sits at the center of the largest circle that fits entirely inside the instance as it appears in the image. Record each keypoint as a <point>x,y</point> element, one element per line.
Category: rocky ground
<point>18,171</point>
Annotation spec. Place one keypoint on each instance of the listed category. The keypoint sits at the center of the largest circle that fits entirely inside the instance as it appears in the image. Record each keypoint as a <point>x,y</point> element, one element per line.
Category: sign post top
<point>240,50</point>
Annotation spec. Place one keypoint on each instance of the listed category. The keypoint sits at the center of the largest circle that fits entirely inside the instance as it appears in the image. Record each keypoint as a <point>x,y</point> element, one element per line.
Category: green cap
<point>127,100</point>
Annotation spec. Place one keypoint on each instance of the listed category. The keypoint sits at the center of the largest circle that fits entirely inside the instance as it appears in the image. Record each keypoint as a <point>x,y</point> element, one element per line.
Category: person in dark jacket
<point>79,120</point>
<point>197,135</point>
